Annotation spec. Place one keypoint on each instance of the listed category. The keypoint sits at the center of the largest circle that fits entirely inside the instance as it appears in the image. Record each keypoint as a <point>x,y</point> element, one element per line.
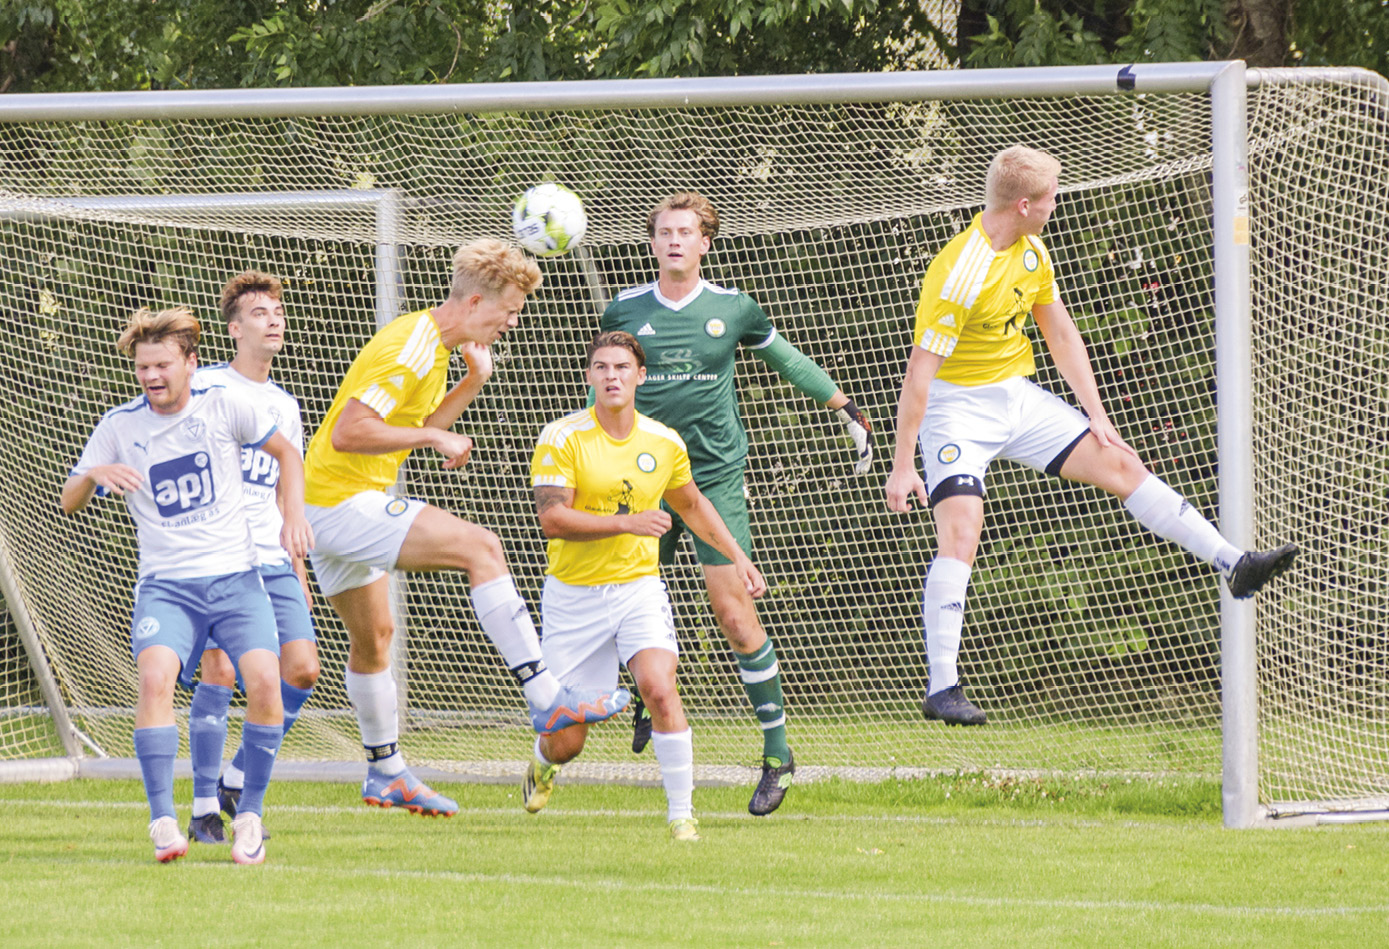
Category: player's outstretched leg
<point>1258,567</point>
<point>405,790</point>
<point>578,707</point>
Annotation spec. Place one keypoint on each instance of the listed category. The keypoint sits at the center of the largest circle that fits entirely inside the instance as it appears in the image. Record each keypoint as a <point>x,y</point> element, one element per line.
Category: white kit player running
<point>255,315</point>
<point>174,455</point>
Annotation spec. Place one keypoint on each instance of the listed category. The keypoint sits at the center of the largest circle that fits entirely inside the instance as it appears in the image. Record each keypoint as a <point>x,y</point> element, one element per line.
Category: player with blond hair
<point>393,401</point>
<point>966,400</point>
<point>174,455</point>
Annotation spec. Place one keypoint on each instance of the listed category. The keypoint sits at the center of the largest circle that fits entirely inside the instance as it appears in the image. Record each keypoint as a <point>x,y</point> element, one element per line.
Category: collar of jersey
<point>678,305</point>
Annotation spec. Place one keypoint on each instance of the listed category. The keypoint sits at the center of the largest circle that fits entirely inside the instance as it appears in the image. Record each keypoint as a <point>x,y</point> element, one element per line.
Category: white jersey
<point>189,515</point>
<point>260,472</point>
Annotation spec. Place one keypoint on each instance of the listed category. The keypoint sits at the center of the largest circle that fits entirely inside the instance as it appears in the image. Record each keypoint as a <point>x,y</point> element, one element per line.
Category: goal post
<point>1195,210</point>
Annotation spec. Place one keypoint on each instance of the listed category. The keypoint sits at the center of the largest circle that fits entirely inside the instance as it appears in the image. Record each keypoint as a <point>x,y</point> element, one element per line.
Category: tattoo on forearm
<point>547,496</point>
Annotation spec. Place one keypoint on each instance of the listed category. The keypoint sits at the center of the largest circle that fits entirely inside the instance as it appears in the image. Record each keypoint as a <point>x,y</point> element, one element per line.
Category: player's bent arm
<point>457,399</point>
<point>560,520</point>
<point>361,431</point>
<point>1072,360</point>
<point>77,491</point>
<point>79,488</point>
<point>1068,350</point>
<point>806,375</point>
<point>703,518</point>
<point>904,483</point>
<point>295,534</point>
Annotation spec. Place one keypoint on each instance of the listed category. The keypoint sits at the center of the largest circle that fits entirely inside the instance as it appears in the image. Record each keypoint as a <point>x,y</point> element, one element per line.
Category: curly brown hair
<point>687,201</point>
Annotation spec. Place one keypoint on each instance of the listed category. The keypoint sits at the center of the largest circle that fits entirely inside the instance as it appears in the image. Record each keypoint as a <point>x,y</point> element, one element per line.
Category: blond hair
<point>146,326</point>
<point>488,267</point>
<point>1016,173</point>
<point>244,284</point>
<point>687,201</point>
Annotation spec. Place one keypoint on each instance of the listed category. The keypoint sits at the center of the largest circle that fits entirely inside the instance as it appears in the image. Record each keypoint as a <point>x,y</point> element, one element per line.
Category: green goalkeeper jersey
<point>691,346</point>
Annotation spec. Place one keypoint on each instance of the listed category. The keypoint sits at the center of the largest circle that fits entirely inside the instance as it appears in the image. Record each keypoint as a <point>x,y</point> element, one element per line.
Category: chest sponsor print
<point>183,484</point>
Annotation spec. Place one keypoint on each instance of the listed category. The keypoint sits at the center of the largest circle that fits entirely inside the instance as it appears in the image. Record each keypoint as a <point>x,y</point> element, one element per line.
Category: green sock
<point>762,681</point>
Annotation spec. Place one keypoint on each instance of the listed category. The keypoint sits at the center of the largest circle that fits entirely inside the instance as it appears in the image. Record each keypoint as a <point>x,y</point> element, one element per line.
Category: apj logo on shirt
<point>183,484</point>
<point>259,467</point>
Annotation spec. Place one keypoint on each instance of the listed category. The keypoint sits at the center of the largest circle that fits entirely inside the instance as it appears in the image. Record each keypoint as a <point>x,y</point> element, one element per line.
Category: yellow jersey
<point>608,476</point>
<point>400,375</point>
<point>974,303</point>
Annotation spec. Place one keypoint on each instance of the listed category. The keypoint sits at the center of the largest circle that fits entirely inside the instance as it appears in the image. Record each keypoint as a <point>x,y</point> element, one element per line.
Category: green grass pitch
<point>956,861</point>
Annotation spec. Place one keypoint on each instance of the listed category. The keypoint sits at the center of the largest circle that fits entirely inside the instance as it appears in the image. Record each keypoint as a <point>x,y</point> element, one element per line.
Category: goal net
<point>1093,646</point>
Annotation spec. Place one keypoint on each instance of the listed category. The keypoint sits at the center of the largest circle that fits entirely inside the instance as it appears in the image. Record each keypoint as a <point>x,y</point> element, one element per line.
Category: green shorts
<point>726,493</point>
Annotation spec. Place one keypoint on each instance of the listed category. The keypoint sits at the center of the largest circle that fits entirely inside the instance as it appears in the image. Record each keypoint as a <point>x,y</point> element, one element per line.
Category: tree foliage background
<point>72,45</point>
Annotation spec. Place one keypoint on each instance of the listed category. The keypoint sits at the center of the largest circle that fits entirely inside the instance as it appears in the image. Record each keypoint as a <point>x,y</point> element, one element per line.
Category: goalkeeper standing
<point>691,330</point>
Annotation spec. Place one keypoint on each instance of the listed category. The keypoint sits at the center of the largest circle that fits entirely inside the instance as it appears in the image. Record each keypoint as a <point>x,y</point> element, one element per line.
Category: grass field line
<point>782,891</point>
<point>557,814</point>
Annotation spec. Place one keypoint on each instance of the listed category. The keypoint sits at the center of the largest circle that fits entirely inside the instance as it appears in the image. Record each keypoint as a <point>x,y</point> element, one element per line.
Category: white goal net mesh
<point>1092,645</point>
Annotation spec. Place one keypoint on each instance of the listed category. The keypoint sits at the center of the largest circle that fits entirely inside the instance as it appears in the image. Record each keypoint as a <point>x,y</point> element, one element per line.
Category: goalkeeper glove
<point>859,429</point>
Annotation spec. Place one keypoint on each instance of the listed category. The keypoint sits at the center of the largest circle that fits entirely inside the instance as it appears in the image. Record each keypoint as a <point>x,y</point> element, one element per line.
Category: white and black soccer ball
<point>549,219</point>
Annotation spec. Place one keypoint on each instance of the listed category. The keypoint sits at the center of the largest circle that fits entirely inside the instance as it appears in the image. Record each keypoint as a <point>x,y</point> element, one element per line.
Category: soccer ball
<point>549,219</point>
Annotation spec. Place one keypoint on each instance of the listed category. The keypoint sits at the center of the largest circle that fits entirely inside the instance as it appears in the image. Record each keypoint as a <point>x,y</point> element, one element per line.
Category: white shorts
<point>967,427</point>
<point>585,631</point>
<point>358,540</point>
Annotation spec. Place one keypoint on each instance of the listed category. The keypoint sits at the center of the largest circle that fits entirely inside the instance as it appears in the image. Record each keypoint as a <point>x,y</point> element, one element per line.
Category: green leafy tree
<point>75,45</point>
<point>998,33</point>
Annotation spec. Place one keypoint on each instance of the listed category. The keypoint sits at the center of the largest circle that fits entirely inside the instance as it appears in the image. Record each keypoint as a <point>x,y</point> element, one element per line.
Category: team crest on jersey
<point>396,507</point>
<point>716,327</point>
<point>646,462</point>
<point>194,427</point>
<point>1029,259</point>
<point>276,417</point>
<point>948,454</point>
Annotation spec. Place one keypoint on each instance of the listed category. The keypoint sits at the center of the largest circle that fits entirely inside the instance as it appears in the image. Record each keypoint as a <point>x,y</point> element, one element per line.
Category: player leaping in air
<point>391,402</point>
<point>691,330</point>
<point>966,400</point>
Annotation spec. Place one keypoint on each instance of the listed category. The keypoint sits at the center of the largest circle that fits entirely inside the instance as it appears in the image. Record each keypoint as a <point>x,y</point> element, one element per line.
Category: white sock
<point>540,755</point>
<point>943,618</point>
<point>233,777</point>
<point>1169,515</point>
<point>373,698</point>
<point>507,622</point>
<point>202,806</point>
<point>675,755</point>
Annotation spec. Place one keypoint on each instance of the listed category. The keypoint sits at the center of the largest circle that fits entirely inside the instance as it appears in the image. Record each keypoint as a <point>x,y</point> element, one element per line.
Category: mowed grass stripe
<point>780,891</point>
